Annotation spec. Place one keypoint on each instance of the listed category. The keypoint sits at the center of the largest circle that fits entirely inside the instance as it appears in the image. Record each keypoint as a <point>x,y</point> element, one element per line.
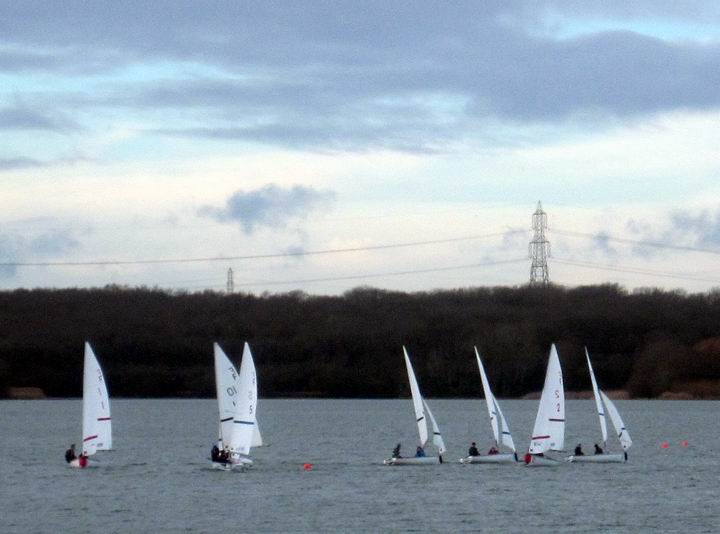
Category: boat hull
<point>414,460</point>
<point>232,466</point>
<point>598,459</point>
<point>533,460</point>
<point>81,465</point>
<point>490,459</point>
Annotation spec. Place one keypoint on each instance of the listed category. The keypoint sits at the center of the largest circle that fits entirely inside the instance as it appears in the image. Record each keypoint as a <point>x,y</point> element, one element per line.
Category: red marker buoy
<point>308,467</point>
<point>665,445</point>
<point>685,443</point>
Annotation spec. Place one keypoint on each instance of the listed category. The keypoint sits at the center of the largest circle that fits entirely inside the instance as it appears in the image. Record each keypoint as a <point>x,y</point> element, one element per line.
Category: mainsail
<point>417,401</point>
<point>102,399</point>
<point>90,403</point>
<point>227,394</point>
<point>598,401</point>
<point>245,409</point>
<point>549,429</point>
<point>501,431</point>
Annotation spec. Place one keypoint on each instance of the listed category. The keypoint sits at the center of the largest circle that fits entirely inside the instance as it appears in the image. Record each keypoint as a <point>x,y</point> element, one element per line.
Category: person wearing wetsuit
<point>598,449</point>
<point>396,451</point>
<point>70,454</point>
<point>215,454</point>
<point>578,450</point>
<point>419,452</point>
<point>473,450</point>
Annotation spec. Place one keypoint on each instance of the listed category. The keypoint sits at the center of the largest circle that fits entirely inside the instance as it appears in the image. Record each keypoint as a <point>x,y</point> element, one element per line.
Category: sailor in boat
<point>419,452</point>
<point>598,449</point>
<point>493,450</point>
<point>83,460</point>
<point>70,454</point>
<point>219,456</point>
<point>528,456</point>
<point>579,451</point>
<point>473,450</point>
<point>396,451</point>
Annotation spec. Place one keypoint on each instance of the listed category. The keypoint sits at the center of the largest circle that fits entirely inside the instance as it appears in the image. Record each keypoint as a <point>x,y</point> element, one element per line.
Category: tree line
<point>156,343</point>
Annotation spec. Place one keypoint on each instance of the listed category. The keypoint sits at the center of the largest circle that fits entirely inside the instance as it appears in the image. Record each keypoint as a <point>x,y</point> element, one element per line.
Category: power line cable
<point>625,241</point>
<point>99,263</point>
<point>381,275</point>
<point>632,270</point>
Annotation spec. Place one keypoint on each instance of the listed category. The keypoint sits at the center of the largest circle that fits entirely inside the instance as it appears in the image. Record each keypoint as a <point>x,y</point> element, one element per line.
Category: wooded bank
<point>154,343</point>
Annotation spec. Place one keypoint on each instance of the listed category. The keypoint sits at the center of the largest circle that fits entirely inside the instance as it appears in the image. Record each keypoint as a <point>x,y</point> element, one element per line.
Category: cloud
<point>270,206</point>
<point>405,76</point>
<point>700,229</point>
<point>684,228</point>
<point>19,118</point>
<point>11,164</point>
<point>18,248</point>
<point>601,243</point>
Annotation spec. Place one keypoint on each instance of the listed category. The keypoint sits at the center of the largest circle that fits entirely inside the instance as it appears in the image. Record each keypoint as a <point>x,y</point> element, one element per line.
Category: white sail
<point>90,403</point>
<point>549,430</point>
<point>500,428</point>
<point>437,436</point>
<point>227,394</point>
<point>505,434</point>
<point>598,401</point>
<point>489,400</point>
<point>244,419</point>
<point>417,401</point>
<point>617,422</point>
<point>104,421</point>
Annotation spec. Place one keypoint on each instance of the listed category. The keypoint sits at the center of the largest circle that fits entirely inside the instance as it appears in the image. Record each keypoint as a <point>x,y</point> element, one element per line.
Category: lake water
<point>157,479</point>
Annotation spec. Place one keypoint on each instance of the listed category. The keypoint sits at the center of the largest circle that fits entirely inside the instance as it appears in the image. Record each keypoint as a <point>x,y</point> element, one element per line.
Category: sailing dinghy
<point>604,404</point>
<point>549,430</point>
<point>500,429</point>
<point>225,382</point>
<point>97,424</point>
<point>421,408</point>
<point>237,407</point>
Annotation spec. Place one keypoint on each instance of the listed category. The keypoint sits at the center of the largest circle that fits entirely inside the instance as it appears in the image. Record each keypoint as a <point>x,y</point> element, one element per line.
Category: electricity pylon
<point>539,249</point>
<point>230,281</point>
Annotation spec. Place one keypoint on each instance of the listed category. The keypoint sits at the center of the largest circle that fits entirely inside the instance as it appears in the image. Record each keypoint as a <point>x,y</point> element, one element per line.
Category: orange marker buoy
<point>307,467</point>
<point>685,443</point>
<point>665,445</point>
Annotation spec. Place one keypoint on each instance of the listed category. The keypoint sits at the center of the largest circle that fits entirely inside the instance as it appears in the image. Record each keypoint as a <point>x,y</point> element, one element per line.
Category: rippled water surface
<point>157,479</point>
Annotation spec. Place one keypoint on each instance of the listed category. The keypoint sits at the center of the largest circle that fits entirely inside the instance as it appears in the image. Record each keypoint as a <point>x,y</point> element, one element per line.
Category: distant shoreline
<point>569,395</point>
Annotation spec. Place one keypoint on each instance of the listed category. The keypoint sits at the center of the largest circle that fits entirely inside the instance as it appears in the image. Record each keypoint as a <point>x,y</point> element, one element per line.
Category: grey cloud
<point>270,206</point>
<point>19,118</point>
<point>349,75</point>
<point>601,243</point>
<point>16,247</point>
<point>701,229</point>
<point>11,164</point>
<point>53,243</point>
<point>684,229</point>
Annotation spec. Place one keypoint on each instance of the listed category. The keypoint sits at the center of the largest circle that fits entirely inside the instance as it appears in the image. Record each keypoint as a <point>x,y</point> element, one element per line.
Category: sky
<point>324,145</point>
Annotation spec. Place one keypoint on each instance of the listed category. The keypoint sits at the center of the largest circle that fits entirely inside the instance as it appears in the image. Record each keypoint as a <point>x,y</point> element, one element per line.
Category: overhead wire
<point>637,242</point>
<point>100,263</point>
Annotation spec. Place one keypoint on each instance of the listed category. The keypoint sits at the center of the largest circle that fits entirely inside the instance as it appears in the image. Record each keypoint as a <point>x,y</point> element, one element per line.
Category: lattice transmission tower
<point>539,249</point>
<point>230,281</point>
